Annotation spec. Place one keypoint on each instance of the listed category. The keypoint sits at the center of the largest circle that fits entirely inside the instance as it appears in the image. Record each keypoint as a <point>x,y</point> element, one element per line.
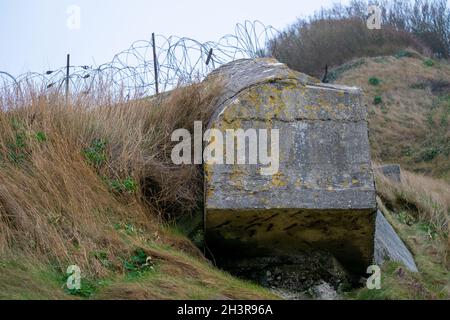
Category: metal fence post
<point>208,60</point>
<point>67,79</point>
<point>155,64</point>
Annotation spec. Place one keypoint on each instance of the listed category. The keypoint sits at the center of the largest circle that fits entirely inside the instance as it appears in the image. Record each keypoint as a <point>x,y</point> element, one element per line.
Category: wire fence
<point>149,66</point>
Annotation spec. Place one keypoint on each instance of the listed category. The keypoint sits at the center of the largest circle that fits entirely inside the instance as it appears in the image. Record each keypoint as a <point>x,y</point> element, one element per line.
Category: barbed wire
<point>131,72</point>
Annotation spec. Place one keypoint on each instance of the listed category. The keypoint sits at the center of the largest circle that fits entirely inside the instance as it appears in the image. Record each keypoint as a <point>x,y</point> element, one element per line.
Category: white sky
<point>34,35</point>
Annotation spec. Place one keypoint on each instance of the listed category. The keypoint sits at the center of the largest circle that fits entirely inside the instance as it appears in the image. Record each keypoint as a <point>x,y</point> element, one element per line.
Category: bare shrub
<point>308,47</point>
<point>338,34</point>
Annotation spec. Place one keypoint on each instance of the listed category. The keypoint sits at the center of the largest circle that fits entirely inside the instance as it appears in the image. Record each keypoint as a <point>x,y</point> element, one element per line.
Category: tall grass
<point>72,177</point>
<point>427,198</point>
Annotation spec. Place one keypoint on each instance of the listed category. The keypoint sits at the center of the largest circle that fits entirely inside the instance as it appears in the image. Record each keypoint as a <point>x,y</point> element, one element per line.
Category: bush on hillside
<point>334,36</point>
<point>309,47</point>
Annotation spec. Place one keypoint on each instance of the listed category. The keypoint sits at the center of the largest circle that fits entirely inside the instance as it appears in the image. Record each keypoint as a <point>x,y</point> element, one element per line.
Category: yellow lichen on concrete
<point>278,180</point>
<point>236,177</point>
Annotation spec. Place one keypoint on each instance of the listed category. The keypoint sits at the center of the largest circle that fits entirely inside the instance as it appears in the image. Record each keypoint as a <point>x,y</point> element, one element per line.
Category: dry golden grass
<point>91,183</point>
<point>425,200</point>
<point>411,125</point>
<point>418,209</point>
<point>58,201</point>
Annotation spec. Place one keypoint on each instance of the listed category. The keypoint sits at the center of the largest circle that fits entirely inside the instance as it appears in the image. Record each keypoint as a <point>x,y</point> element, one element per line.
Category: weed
<point>16,149</point>
<point>428,63</point>
<point>87,287</point>
<point>377,100</point>
<point>95,154</point>
<point>429,229</point>
<point>128,228</point>
<point>374,81</point>
<point>40,136</point>
<point>138,264</point>
<point>127,185</point>
<point>429,153</point>
<point>16,123</point>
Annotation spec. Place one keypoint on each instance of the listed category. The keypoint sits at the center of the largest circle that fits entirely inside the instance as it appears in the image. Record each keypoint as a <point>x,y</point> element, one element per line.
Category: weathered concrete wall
<point>389,246</point>
<point>323,196</point>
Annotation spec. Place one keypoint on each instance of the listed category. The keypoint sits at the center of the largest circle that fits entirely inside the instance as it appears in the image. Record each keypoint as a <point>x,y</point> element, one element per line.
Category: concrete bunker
<point>323,195</point>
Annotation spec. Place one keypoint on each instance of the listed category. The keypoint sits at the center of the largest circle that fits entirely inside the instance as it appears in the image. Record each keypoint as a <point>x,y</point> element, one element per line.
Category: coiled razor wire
<point>131,72</point>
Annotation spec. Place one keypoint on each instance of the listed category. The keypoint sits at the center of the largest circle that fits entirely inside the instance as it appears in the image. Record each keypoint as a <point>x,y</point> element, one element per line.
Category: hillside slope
<point>408,99</point>
<point>93,187</point>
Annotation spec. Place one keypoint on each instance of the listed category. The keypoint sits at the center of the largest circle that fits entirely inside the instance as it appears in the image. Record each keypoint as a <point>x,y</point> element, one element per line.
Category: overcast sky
<point>36,35</point>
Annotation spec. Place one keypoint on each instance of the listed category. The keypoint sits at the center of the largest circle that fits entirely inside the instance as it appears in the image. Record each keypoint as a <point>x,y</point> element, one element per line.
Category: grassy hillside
<point>95,187</point>
<point>419,210</point>
<point>408,98</point>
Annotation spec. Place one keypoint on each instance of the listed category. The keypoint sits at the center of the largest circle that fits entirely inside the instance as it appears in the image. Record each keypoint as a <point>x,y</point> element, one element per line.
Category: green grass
<point>397,283</point>
<point>40,136</point>
<point>428,247</point>
<point>377,100</point>
<point>428,63</point>
<point>190,226</point>
<point>17,148</point>
<point>22,278</point>
<point>374,81</point>
<point>128,185</point>
<point>95,154</point>
<point>138,264</point>
<point>178,276</point>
